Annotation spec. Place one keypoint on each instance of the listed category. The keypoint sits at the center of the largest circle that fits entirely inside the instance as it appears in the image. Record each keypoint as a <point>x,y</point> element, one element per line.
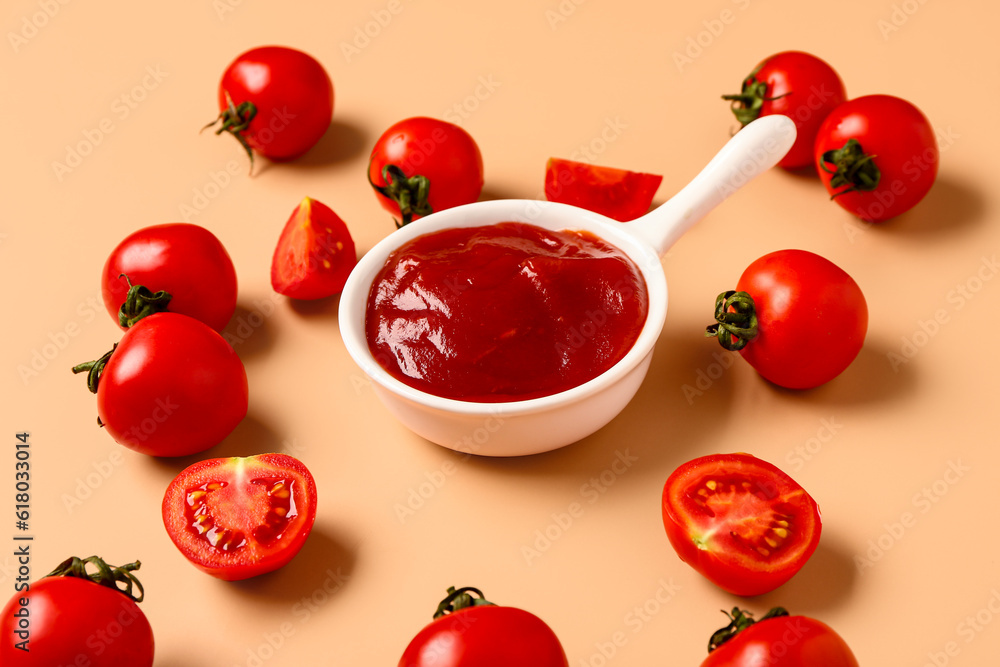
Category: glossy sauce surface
<point>504,312</point>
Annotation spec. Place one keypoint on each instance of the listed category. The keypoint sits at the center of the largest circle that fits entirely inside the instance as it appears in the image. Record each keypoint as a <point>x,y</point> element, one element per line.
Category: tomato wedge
<point>239,517</point>
<point>740,521</point>
<point>616,193</point>
<point>315,253</point>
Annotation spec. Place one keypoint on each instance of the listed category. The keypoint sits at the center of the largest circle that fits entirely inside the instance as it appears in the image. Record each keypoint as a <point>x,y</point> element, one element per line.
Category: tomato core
<point>206,513</point>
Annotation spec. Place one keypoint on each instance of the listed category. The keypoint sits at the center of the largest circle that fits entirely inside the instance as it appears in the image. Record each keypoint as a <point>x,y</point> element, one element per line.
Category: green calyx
<point>141,302</point>
<point>739,621</point>
<point>409,193</point>
<point>853,170</point>
<point>108,576</point>
<point>461,599</point>
<point>93,369</point>
<point>234,119</point>
<point>747,104</point>
<point>735,320</point>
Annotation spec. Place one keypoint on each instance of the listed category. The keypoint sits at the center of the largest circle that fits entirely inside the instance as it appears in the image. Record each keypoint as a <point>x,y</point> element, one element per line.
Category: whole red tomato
<point>471,632</point>
<point>71,617</point>
<point>740,521</point>
<point>186,261</point>
<point>235,518</point>
<point>777,640</point>
<point>421,165</point>
<point>794,84</point>
<point>877,156</point>
<point>171,387</point>
<point>276,101</point>
<point>314,255</point>
<point>796,317</point>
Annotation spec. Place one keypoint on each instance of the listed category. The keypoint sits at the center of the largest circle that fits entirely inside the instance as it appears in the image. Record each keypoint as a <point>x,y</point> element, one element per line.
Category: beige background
<point>528,85</point>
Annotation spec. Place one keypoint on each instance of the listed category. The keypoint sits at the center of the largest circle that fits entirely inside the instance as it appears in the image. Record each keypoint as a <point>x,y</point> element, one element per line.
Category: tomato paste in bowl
<point>504,312</point>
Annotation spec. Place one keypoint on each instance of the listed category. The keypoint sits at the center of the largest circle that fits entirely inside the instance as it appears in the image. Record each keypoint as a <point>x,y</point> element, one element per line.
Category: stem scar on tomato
<point>234,120</point>
<point>736,320</point>
<point>739,620</point>
<point>108,576</point>
<point>409,192</point>
<point>853,169</point>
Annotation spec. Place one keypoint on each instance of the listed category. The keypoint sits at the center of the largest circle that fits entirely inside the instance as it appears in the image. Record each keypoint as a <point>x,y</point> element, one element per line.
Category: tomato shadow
<point>825,581</point>
<point>323,309</point>
<point>950,206</point>
<point>345,140</point>
<point>249,331</point>
<point>681,405</point>
<point>312,578</point>
<point>870,379</point>
<point>493,193</point>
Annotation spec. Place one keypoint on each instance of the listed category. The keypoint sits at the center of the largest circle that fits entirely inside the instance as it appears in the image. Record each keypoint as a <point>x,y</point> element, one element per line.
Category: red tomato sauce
<point>504,312</point>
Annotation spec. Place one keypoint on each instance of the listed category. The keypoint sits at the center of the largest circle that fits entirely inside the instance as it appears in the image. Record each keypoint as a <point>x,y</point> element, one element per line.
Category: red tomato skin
<point>904,146</point>
<point>731,572</point>
<point>186,260</point>
<point>293,95</point>
<point>172,387</point>
<point>315,253</point>
<point>486,636</point>
<point>74,621</point>
<point>812,318</point>
<point>237,566</point>
<point>444,153</point>
<point>616,193</point>
<point>788,641</point>
<point>807,89</point>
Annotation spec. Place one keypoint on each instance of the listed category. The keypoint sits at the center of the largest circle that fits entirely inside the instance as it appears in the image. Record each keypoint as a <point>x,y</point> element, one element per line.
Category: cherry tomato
<point>794,84</point>
<point>184,260</point>
<point>777,640</point>
<point>315,253</point>
<point>740,521</point>
<point>236,518</point>
<point>276,101</point>
<point>616,193</point>
<point>796,317</point>
<point>471,632</point>
<point>73,618</point>
<point>877,156</point>
<point>171,387</point>
<point>421,165</point>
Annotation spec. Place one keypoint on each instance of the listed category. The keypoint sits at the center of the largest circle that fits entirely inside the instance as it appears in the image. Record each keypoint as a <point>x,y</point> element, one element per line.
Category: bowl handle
<point>754,149</point>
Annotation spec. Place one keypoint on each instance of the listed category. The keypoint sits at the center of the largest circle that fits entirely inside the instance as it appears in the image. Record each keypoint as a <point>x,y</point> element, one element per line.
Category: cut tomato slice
<point>315,253</point>
<point>616,193</point>
<point>235,518</point>
<point>740,521</point>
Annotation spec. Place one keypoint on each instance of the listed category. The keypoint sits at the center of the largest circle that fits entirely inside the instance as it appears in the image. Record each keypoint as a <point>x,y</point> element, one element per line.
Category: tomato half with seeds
<point>314,255</point>
<point>740,521</point>
<point>617,193</point>
<point>239,517</point>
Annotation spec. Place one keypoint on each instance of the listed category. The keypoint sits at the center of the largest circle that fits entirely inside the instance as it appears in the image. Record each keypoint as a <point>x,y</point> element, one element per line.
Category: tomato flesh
<point>740,521</point>
<point>314,255</point>
<point>236,518</point>
<point>616,193</point>
<point>504,312</point>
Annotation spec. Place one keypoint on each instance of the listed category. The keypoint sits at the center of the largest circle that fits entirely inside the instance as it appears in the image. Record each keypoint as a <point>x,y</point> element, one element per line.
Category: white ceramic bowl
<point>541,424</point>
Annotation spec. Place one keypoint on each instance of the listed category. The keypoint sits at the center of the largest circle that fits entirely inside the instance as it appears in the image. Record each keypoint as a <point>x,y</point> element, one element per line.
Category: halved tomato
<point>740,521</point>
<point>238,517</point>
<point>616,193</point>
<point>315,253</point>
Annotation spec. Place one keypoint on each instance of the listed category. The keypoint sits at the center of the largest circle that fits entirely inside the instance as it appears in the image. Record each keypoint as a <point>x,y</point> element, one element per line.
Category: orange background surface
<point>401,519</point>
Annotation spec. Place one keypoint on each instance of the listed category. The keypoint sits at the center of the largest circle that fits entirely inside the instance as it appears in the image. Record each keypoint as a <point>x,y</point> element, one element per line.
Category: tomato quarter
<point>421,165</point>
<point>877,155</point>
<point>239,517</point>
<point>71,617</point>
<point>617,193</point>
<point>471,632</point>
<point>777,640</point>
<point>315,253</point>
<point>184,260</point>
<point>740,521</point>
